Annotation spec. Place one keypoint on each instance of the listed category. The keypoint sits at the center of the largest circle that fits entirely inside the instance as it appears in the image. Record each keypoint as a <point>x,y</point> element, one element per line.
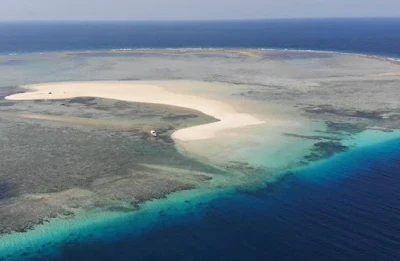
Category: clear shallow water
<point>343,208</point>
<point>349,214</point>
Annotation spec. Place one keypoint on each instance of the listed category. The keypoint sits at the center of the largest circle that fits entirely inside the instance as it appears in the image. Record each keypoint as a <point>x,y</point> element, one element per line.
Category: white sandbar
<point>137,91</point>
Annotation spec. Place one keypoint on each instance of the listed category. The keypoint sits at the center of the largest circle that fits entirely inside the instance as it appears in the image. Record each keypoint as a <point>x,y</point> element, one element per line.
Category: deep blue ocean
<point>368,36</point>
<point>345,208</point>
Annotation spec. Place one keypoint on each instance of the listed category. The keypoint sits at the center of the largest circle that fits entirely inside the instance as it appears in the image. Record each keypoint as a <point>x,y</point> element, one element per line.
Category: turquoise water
<point>342,208</point>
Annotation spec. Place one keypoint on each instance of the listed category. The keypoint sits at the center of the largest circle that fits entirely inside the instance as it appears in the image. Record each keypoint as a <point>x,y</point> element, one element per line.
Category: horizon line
<point>198,20</point>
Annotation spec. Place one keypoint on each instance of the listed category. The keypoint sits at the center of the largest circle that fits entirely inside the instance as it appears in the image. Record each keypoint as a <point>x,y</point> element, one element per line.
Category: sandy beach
<point>136,91</point>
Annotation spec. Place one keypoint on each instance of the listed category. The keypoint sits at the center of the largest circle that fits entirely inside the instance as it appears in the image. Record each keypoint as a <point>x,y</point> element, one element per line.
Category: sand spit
<point>136,91</point>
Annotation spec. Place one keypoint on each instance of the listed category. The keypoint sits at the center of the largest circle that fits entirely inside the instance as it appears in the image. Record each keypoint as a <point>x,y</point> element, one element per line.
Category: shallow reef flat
<point>92,154</point>
<point>64,155</point>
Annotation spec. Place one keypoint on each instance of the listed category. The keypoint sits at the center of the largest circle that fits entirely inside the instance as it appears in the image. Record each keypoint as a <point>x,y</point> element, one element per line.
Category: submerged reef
<point>56,159</point>
<point>322,150</point>
<point>61,156</point>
